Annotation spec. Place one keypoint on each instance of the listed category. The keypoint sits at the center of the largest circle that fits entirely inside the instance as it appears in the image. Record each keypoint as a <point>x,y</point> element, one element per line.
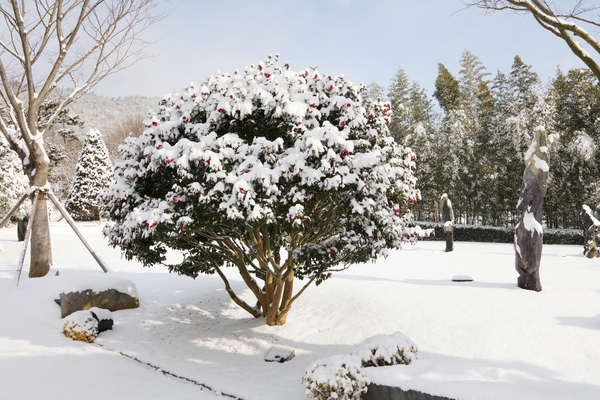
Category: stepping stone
<point>462,278</point>
<point>280,354</point>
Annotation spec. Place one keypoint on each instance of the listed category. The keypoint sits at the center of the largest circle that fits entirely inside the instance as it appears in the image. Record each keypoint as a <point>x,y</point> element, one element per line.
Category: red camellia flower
<point>413,158</point>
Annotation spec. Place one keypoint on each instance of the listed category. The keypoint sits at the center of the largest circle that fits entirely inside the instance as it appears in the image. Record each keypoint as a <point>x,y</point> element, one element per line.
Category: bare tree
<point>569,24</point>
<point>45,44</point>
<point>131,124</point>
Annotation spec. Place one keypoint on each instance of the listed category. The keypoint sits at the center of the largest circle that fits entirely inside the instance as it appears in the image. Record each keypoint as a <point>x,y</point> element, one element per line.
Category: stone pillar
<point>448,218</point>
<point>529,231</point>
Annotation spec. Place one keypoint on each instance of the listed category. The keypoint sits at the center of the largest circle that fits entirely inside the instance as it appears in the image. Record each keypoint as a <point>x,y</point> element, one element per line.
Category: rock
<point>280,354</point>
<point>111,294</point>
<point>382,392</point>
<point>462,278</point>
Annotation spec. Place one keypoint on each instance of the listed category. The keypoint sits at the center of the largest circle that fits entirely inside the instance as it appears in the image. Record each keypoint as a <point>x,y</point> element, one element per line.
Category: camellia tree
<point>281,174</point>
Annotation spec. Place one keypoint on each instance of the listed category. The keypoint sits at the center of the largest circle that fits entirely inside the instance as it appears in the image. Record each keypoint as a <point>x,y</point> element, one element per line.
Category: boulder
<point>110,294</point>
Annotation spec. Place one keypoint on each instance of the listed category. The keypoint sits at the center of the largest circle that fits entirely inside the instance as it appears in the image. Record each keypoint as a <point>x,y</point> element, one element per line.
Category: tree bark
<point>41,251</point>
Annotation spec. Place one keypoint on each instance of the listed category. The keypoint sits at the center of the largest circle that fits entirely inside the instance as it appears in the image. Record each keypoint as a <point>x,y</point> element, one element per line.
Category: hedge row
<point>496,234</point>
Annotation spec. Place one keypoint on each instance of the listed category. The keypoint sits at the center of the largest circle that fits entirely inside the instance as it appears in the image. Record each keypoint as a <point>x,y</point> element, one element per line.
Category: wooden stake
<point>27,236</point>
<point>68,218</point>
<point>12,210</point>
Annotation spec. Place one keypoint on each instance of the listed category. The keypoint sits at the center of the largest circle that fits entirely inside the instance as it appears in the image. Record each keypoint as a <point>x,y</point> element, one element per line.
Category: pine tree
<point>399,96</point>
<point>92,174</point>
<point>13,181</point>
<point>413,125</point>
<point>447,91</point>
<point>575,171</point>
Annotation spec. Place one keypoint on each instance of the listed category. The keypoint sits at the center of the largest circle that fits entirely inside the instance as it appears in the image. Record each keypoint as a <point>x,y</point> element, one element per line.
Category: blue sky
<point>364,40</point>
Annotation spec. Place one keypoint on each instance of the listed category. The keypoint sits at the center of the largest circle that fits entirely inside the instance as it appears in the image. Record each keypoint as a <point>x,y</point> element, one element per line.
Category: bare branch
<point>565,24</point>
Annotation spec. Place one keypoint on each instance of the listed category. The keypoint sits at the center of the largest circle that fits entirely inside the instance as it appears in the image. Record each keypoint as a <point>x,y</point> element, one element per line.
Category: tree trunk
<point>41,251</point>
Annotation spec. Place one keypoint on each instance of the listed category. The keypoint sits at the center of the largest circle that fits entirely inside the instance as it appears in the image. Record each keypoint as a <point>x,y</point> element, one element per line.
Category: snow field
<point>485,339</point>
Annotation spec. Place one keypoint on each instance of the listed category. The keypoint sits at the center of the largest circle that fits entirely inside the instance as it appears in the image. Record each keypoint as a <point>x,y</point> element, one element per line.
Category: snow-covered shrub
<point>92,174</point>
<point>81,325</point>
<point>337,377</point>
<point>13,182</point>
<point>264,169</point>
<point>381,350</point>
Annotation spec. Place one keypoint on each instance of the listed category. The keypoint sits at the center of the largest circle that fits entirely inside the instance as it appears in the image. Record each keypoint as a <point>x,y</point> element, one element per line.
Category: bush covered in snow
<point>13,181</point>
<point>383,350</point>
<point>83,325</point>
<point>337,377</point>
<point>500,234</point>
<point>268,169</point>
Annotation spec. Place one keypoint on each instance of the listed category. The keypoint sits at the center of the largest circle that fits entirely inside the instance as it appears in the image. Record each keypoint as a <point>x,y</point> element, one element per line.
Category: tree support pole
<point>27,236</point>
<point>70,221</point>
<point>12,210</point>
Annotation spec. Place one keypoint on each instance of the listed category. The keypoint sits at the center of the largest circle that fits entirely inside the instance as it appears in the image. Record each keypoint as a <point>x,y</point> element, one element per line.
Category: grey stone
<point>462,278</point>
<point>381,392</point>
<point>110,299</point>
<point>280,354</point>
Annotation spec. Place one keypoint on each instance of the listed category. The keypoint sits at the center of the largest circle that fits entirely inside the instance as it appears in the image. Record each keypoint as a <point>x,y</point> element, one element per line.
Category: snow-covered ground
<point>485,339</point>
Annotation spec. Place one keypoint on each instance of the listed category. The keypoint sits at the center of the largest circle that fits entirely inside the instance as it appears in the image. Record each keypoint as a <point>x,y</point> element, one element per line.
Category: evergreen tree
<point>399,94</point>
<point>373,92</point>
<point>447,90</point>
<point>413,125</point>
<point>93,173</point>
<point>575,170</point>
<point>13,181</point>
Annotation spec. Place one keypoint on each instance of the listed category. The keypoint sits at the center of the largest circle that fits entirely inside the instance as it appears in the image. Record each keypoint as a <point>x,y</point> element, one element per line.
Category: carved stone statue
<point>591,231</point>
<point>448,218</point>
<point>529,231</point>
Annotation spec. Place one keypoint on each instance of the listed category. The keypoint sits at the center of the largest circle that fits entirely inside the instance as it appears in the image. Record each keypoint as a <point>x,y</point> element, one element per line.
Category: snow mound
<point>381,350</point>
<point>335,377</point>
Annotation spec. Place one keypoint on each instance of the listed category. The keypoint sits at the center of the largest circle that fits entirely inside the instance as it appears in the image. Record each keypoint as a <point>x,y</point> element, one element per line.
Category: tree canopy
<point>281,174</point>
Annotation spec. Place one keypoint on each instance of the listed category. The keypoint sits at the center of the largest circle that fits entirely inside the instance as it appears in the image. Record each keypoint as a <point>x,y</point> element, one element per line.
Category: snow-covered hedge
<point>341,376</point>
<point>337,377</point>
<point>381,350</point>
<point>500,234</point>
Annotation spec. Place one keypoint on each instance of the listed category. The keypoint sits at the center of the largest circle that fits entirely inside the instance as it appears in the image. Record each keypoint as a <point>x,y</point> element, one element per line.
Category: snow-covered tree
<point>278,173</point>
<point>50,44</point>
<point>93,173</point>
<point>574,176</point>
<point>13,181</point>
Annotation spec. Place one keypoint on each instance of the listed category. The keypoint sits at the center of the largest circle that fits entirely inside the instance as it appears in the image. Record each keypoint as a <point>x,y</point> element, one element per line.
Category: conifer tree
<point>13,182</point>
<point>446,91</point>
<point>93,173</point>
<point>574,179</point>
